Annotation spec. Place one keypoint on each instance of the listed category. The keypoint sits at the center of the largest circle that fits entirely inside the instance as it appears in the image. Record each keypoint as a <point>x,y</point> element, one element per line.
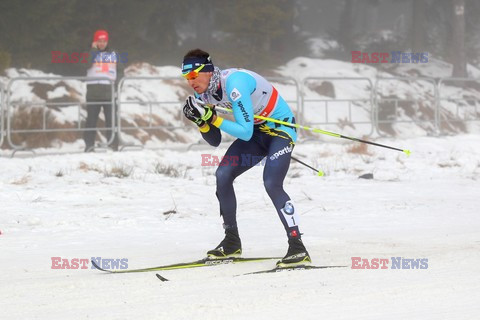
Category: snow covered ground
<point>70,206</point>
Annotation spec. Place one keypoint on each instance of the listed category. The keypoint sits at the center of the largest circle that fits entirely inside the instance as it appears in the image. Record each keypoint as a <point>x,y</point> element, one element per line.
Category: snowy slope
<point>416,97</point>
<point>69,206</point>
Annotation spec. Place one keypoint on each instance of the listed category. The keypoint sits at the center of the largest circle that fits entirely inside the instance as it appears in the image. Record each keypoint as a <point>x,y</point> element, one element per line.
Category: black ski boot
<point>230,246</point>
<point>296,255</point>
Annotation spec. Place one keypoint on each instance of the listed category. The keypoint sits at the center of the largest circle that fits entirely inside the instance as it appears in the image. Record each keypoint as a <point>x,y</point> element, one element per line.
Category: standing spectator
<point>104,63</point>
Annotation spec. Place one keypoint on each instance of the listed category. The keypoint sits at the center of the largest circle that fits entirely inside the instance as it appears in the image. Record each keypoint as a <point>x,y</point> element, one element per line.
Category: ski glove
<point>196,111</point>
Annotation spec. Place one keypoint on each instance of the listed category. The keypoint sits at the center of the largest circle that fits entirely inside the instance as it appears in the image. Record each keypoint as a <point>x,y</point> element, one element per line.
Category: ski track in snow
<point>422,206</point>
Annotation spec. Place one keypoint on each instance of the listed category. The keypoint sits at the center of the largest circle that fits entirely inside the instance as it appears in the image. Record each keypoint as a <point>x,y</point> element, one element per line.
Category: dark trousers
<point>242,155</point>
<point>101,96</point>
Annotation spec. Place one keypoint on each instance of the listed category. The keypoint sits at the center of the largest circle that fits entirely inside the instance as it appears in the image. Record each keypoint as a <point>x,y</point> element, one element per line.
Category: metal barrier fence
<point>2,114</point>
<point>11,104</point>
<point>152,116</point>
<point>312,116</point>
<point>154,122</point>
<point>386,116</point>
<point>294,102</point>
<point>410,100</point>
<point>460,109</point>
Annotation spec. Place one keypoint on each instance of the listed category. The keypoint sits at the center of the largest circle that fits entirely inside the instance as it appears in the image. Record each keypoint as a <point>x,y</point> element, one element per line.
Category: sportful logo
<point>277,154</point>
<point>244,112</point>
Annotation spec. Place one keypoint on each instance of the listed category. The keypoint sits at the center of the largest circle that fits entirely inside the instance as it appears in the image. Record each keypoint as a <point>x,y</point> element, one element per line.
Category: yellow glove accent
<point>217,122</point>
<point>205,128</point>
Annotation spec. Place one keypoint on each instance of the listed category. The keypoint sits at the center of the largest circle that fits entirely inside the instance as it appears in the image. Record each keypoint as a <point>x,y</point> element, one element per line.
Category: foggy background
<point>244,33</point>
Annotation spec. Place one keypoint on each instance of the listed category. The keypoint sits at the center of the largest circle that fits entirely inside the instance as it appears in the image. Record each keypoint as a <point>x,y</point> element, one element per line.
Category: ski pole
<point>319,172</point>
<point>328,133</point>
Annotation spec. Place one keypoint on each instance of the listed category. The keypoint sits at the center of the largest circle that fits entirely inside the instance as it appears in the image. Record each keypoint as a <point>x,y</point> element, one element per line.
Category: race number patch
<point>290,214</point>
<point>235,94</point>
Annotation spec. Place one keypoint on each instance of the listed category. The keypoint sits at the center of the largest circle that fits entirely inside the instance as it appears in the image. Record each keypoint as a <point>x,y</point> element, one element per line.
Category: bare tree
<point>458,55</point>
<point>346,29</point>
<point>419,25</point>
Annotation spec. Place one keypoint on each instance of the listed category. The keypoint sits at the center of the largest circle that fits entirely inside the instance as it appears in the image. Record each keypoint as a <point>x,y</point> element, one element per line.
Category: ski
<point>206,262</point>
<point>296,268</point>
<point>274,270</point>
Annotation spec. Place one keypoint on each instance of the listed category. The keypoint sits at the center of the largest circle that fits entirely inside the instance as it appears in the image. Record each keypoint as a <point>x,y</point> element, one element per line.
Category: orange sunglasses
<point>191,75</point>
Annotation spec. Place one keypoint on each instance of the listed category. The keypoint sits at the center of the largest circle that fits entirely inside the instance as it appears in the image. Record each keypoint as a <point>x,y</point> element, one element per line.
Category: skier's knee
<point>224,176</point>
<point>271,185</point>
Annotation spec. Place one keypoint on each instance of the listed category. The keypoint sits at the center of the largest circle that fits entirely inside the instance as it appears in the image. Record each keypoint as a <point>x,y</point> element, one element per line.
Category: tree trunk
<point>459,59</point>
<point>419,25</point>
<point>346,25</point>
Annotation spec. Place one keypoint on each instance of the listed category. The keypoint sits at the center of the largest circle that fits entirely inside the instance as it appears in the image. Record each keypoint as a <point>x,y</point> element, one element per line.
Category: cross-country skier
<point>247,94</point>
